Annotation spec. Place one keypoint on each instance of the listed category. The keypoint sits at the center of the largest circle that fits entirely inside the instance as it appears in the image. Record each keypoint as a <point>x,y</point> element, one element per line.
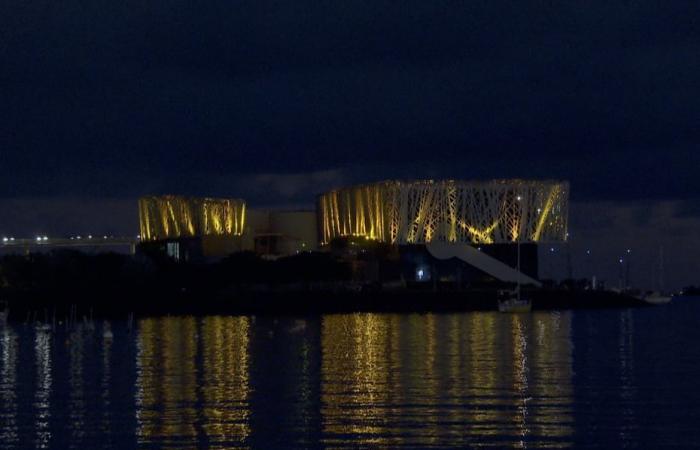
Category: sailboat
<point>511,300</point>
<point>657,297</point>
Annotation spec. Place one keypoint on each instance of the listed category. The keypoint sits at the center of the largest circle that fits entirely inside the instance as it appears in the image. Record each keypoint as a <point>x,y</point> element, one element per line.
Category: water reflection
<point>355,380</point>
<point>76,395</point>
<point>8,388</point>
<point>389,380</point>
<point>106,384</point>
<point>225,387</point>
<point>192,381</point>
<point>627,375</point>
<point>42,394</point>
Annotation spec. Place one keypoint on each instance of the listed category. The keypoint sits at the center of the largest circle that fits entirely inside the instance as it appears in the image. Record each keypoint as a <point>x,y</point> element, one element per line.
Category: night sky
<point>274,102</point>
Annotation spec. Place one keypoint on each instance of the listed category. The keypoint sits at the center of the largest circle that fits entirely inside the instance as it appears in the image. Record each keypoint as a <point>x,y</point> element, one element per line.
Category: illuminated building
<point>478,222</point>
<point>452,218</point>
<point>191,228</point>
<point>172,216</point>
<point>187,228</point>
<point>472,212</point>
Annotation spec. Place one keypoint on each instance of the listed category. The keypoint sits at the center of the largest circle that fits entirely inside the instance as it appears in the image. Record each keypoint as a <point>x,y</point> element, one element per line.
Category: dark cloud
<point>101,102</point>
<point>68,216</point>
<point>601,233</point>
<point>124,98</point>
<point>688,209</point>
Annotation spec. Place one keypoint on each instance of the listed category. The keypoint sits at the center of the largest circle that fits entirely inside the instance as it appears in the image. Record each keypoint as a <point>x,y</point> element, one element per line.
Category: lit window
<point>173,250</point>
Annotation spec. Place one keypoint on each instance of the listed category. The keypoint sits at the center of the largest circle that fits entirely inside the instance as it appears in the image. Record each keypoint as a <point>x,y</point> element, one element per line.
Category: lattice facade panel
<point>496,211</point>
<point>169,216</point>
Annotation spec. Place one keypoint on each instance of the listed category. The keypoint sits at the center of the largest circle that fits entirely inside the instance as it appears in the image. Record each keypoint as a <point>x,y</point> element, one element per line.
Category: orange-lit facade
<point>473,212</point>
<point>172,217</point>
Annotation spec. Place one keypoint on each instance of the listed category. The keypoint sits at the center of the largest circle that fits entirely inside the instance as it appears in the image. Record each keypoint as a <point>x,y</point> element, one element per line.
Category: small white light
<point>38,238</point>
<point>12,238</point>
<point>46,238</point>
<point>78,237</point>
<point>138,236</point>
<point>5,239</point>
<point>519,198</point>
<point>89,236</point>
<point>551,249</point>
<point>104,237</point>
<point>620,260</point>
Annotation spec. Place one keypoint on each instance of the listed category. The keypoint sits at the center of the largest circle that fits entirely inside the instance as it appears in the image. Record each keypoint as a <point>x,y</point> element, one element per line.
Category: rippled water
<point>619,378</point>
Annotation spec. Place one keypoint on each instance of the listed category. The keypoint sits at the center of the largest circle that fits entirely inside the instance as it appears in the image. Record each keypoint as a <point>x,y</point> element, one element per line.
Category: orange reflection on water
<point>171,390</point>
<point>225,347</point>
<point>422,380</point>
<point>356,366</point>
<point>551,375</point>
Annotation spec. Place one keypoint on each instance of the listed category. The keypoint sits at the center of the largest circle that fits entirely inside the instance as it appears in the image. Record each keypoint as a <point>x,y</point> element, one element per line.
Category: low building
<point>201,229</point>
<point>275,233</point>
<point>484,224</point>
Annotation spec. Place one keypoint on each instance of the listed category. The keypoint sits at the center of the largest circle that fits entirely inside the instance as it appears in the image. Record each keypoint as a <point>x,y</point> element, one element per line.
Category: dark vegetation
<point>691,291</point>
<point>50,285</point>
<point>111,283</point>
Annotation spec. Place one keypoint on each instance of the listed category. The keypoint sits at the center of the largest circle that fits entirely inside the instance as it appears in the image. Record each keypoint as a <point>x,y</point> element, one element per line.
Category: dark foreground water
<point>612,379</point>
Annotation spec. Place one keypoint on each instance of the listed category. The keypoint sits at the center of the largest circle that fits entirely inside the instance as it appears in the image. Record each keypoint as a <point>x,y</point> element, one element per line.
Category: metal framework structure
<point>473,212</point>
<point>170,216</point>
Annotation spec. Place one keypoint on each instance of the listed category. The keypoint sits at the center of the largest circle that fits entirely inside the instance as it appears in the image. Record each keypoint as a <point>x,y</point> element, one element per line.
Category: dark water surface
<point>609,379</point>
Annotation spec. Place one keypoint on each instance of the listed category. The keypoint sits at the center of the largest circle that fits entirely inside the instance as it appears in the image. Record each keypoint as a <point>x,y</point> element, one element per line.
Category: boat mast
<point>661,268</point>
<point>520,227</point>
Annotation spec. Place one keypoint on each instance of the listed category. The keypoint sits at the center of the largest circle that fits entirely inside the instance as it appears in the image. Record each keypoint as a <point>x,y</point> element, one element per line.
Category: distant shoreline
<point>28,306</point>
